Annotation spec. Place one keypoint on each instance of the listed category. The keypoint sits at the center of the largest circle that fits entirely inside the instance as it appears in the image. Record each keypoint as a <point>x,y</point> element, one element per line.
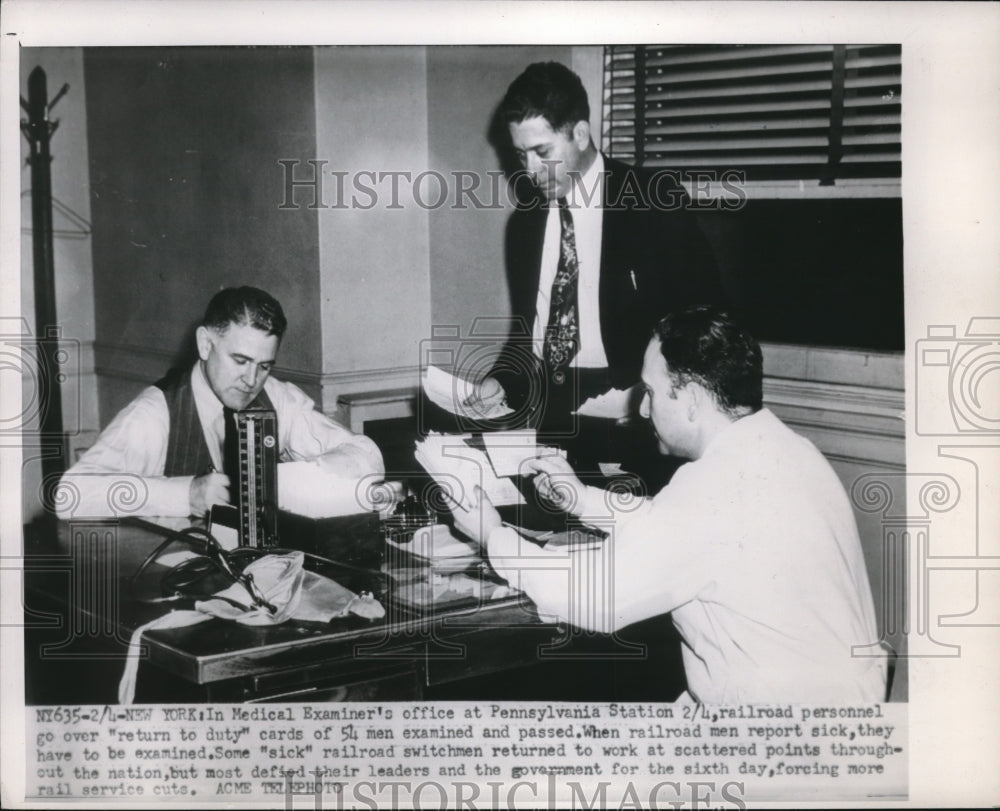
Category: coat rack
<point>38,129</point>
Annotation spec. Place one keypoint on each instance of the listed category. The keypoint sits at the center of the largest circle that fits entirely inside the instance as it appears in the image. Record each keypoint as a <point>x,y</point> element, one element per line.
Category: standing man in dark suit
<point>592,262</point>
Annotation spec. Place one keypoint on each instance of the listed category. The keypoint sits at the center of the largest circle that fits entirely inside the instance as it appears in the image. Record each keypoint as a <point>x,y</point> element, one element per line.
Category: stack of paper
<point>458,396</point>
<point>437,543</point>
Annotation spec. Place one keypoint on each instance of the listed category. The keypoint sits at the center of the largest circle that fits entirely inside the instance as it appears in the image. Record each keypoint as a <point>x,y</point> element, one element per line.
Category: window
<point>823,115</point>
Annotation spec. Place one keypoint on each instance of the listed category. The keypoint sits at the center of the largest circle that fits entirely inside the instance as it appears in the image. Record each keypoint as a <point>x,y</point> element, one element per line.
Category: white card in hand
<point>509,450</point>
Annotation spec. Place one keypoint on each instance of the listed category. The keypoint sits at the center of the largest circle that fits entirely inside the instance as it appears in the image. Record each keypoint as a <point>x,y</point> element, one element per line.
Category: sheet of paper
<point>509,450</point>
<point>228,537</point>
<point>458,468</point>
<point>452,393</point>
<point>306,489</point>
<point>612,405</point>
<point>437,543</point>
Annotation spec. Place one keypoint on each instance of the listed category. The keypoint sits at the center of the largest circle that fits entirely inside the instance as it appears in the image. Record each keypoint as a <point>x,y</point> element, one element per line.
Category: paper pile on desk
<point>458,467</point>
<point>436,543</point>
<point>452,394</point>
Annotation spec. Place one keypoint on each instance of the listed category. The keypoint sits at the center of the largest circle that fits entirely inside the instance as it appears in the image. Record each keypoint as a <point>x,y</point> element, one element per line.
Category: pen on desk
<point>451,499</point>
<point>631,274</point>
<point>542,536</point>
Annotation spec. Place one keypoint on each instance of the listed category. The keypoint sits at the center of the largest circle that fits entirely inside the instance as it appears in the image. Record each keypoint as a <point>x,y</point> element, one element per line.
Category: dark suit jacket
<point>648,234</point>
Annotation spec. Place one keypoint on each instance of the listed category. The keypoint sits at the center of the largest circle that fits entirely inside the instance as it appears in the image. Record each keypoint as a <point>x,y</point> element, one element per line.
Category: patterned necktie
<point>562,335</point>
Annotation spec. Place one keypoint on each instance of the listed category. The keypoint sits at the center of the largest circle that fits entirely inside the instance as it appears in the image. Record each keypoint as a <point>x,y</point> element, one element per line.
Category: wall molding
<point>130,362</point>
<point>390,377</point>
<point>850,402</point>
<point>845,188</point>
<point>857,424</point>
<point>821,364</point>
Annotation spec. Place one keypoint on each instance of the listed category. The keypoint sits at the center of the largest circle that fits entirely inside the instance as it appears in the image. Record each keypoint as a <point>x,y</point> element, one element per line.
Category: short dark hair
<point>704,344</point>
<point>548,90</point>
<point>245,305</point>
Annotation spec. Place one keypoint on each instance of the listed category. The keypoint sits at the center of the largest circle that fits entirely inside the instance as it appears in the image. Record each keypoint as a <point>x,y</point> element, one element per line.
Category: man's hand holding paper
<point>557,482</point>
<point>487,396</point>
<point>474,401</point>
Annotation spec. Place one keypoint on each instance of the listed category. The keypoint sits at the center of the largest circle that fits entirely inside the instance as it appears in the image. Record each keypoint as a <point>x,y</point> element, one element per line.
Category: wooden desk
<point>77,574</point>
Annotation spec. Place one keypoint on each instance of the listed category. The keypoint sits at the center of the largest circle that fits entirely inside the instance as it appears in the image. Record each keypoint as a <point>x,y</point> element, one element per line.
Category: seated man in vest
<point>171,437</point>
<point>752,546</point>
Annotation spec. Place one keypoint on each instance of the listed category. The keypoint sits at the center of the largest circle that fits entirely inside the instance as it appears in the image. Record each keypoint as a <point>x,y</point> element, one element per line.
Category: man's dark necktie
<point>562,335</point>
<point>231,447</point>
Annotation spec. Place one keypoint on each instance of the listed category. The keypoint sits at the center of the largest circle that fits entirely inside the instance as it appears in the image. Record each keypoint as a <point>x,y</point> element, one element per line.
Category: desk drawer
<point>489,651</point>
<point>323,683</point>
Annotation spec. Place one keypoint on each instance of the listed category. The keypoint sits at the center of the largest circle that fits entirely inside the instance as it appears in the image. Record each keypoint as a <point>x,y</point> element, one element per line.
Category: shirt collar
<point>751,423</point>
<point>590,193</point>
<point>205,401</point>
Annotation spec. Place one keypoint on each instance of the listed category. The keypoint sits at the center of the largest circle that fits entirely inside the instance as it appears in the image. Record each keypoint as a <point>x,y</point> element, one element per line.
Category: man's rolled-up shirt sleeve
<point>309,435</point>
<point>122,473</point>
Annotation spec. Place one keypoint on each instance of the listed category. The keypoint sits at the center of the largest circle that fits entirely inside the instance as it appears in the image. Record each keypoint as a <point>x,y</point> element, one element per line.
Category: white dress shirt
<point>122,474</point>
<point>755,551</point>
<point>586,206</point>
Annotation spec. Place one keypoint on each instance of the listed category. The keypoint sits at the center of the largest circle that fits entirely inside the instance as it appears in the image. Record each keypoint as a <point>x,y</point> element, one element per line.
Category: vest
<point>187,452</point>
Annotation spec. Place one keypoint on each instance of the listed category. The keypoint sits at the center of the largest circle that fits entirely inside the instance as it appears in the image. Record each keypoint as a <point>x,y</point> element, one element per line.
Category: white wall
<point>375,270</point>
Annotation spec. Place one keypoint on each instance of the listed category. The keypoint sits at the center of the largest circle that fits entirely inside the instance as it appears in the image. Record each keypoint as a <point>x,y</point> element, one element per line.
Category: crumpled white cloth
<point>283,581</point>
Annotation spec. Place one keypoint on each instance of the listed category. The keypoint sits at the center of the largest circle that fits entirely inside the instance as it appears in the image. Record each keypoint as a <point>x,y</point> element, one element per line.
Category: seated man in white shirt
<point>169,439</point>
<point>752,547</point>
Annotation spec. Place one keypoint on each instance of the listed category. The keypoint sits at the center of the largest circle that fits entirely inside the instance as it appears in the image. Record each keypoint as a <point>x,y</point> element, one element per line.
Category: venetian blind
<point>774,112</point>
